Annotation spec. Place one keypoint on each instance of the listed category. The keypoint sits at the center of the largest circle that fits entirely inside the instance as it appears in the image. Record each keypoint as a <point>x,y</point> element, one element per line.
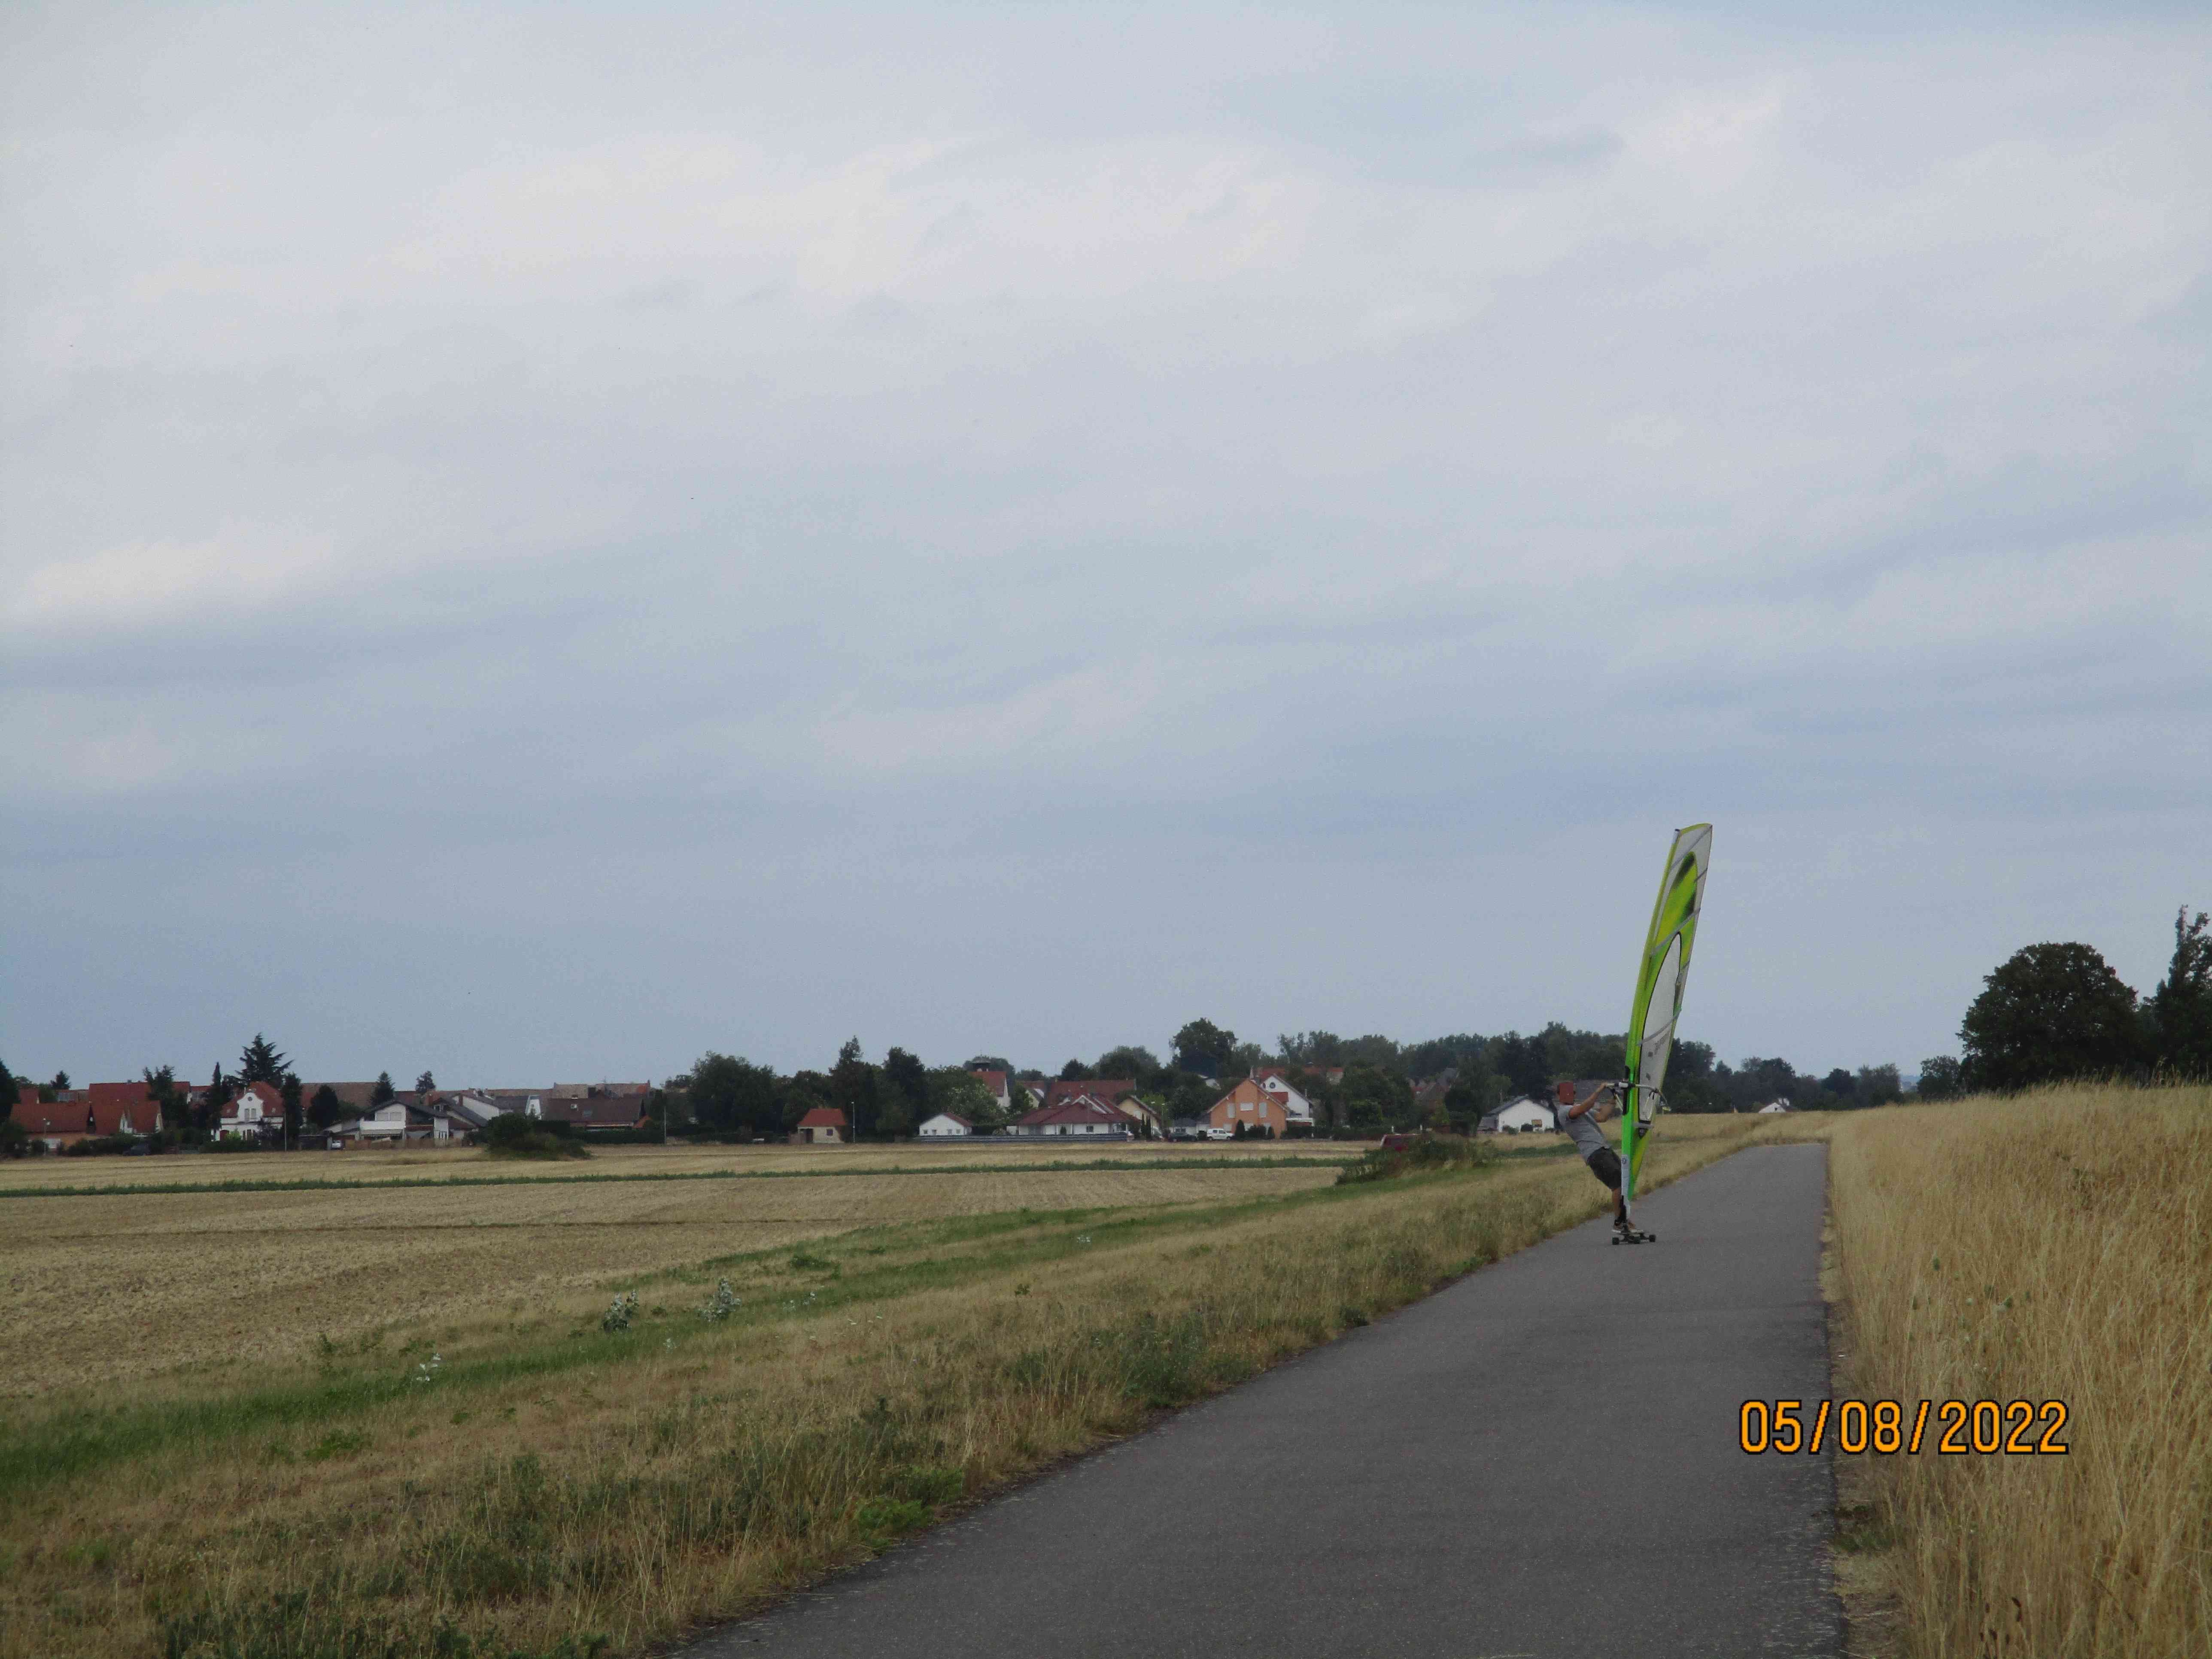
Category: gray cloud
<point>537,545</point>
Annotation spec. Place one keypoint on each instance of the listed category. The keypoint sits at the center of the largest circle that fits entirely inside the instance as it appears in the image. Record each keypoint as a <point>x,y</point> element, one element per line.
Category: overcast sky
<point>536,543</point>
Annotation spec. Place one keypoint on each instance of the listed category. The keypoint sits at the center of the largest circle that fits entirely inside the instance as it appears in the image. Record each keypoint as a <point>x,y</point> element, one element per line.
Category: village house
<point>996,1083</point>
<point>1257,1106</point>
<point>1276,1080</point>
<point>471,1112</point>
<point>88,1113</point>
<point>579,1105</point>
<point>823,1125</point>
<point>257,1110</point>
<point>1081,1114</point>
<point>1119,1093</point>
<point>599,1106</point>
<point>1521,1116</point>
<point>386,1125</point>
<point>947,1125</point>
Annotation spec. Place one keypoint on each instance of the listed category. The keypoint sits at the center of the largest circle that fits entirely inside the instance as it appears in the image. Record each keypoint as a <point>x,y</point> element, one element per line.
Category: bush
<point>724,1303</point>
<point>513,1135</point>
<point>1429,1152</point>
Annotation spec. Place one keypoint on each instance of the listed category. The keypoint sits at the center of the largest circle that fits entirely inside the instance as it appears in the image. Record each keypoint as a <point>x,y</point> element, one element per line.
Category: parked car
<point>1397,1143</point>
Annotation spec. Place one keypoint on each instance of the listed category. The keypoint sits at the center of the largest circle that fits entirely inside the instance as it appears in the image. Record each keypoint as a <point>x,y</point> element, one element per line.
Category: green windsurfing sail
<point>1660,979</point>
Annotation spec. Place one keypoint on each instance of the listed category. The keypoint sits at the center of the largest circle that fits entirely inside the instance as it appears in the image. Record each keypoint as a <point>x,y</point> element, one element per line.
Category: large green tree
<point>904,1100</point>
<point>1132,1060</point>
<point>729,1092</point>
<point>854,1086</point>
<point>326,1107</point>
<point>2049,1012</point>
<point>1205,1048</point>
<point>1372,1097</point>
<point>1942,1078</point>
<point>2181,1007</point>
<point>1310,1049</point>
<point>289,1091</point>
<point>1692,1083</point>
<point>260,1061</point>
<point>1878,1085</point>
<point>169,1108</point>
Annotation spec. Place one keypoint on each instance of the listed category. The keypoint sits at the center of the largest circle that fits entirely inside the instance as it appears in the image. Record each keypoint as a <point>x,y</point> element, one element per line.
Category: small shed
<point>823,1125</point>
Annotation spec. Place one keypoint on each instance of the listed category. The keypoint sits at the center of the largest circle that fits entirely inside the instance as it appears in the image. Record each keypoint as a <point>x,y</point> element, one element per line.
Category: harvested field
<point>384,1165</point>
<point>200,1287</point>
<point>538,1482</point>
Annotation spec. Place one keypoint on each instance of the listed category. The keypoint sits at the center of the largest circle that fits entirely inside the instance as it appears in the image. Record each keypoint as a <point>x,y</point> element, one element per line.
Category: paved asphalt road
<point>1541,1460</point>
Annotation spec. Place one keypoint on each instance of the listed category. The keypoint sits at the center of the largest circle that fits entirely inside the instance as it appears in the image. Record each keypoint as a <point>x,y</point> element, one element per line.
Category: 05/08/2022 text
<point>1989,1427</point>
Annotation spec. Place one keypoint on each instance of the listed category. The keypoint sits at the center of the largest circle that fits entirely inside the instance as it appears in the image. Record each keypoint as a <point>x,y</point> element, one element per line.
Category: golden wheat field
<point>201,1288</point>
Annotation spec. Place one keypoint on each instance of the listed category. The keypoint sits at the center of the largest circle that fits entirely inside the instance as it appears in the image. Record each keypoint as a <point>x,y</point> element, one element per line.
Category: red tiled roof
<point>994,1081</point>
<point>125,1094</point>
<point>823,1117</point>
<point>98,1109</point>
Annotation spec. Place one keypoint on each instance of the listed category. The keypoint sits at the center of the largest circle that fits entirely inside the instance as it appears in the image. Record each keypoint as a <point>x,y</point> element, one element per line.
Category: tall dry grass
<point>2055,1246</point>
<point>673,1479</point>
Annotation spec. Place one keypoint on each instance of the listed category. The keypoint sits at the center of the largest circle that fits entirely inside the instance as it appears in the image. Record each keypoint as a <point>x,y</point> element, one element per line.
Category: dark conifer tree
<point>260,1061</point>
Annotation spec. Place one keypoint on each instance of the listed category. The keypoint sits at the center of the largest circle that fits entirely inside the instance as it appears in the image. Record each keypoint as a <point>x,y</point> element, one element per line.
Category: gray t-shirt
<point>1584,1130</point>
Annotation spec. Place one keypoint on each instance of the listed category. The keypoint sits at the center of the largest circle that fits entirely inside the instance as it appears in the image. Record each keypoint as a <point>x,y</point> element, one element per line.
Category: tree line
<point>1355,1083</point>
<point>2050,1013</point>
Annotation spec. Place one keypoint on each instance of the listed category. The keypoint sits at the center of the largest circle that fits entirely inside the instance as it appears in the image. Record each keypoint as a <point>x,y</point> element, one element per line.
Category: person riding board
<point>1580,1119</point>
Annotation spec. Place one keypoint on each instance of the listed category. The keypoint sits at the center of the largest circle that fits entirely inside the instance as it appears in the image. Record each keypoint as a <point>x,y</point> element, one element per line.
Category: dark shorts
<point>1605,1164</point>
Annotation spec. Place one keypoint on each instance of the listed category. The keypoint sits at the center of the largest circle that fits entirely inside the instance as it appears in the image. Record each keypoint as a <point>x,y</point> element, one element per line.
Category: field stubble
<point>192,1288</point>
<point>566,1486</point>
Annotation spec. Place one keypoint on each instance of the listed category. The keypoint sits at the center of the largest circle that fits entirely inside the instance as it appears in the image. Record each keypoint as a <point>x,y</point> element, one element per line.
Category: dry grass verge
<point>2056,1246</point>
<point>566,1495</point>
